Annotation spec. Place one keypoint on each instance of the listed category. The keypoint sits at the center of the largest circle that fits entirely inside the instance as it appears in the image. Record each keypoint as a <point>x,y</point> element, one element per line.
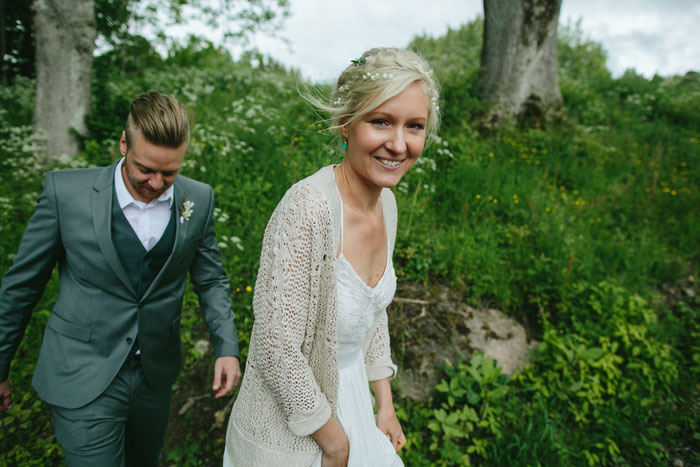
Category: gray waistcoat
<point>142,266</point>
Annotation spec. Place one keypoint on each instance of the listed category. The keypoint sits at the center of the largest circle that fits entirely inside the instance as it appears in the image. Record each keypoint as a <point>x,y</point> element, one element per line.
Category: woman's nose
<point>397,142</point>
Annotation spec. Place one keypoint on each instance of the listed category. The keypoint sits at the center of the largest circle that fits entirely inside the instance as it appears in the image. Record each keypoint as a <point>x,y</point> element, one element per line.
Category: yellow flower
<point>478,196</point>
<point>495,201</point>
<point>490,154</point>
<point>248,288</point>
<point>547,209</point>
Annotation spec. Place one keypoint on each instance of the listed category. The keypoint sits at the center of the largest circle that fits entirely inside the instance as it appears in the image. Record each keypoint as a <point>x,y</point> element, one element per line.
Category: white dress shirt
<point>148,220</point>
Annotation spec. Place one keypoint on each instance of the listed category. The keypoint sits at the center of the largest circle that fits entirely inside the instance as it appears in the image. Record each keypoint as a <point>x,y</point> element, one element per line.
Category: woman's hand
<point>386,416</point>
<point>389,424</point>
<point>334,444</point>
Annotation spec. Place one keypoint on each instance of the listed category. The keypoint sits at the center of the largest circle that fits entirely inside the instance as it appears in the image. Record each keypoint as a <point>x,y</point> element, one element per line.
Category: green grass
<point>587,232</point>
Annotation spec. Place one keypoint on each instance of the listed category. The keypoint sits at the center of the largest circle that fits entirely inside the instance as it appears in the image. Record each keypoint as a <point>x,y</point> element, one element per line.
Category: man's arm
<point>24,282</point>
<point>212,288</point>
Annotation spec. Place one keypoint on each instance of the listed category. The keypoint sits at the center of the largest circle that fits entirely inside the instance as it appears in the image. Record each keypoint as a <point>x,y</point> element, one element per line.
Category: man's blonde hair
<point>160,118</point>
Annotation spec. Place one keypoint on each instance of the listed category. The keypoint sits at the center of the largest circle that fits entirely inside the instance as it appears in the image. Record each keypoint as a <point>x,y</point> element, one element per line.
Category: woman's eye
<point>416,126</point>
<point>379,122</point>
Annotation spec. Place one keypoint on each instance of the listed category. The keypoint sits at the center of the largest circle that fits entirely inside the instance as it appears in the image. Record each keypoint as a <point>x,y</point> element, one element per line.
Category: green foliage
<point>583,76</point>
<point>456,59</point>
<point>587,232</point>
<point>469,411</point>
<point>601,370</point>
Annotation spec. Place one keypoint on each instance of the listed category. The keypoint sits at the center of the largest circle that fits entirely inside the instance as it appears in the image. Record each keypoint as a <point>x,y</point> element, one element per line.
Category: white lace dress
<point>358,306</point>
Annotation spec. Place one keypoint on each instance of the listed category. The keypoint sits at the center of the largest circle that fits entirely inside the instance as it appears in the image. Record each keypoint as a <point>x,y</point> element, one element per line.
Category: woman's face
<point>384,144</point>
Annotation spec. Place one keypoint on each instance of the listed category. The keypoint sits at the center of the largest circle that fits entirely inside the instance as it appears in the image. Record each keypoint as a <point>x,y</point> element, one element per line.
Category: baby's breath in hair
<point>378,75</point>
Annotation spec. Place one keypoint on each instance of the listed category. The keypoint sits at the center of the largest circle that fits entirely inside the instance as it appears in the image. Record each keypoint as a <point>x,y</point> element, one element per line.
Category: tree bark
<point>518,79</point>
<point>3,44</point>
<point>65,39</point>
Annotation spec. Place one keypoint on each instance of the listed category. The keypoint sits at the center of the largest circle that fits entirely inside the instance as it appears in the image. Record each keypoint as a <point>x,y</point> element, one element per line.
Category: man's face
<point>149,169</point>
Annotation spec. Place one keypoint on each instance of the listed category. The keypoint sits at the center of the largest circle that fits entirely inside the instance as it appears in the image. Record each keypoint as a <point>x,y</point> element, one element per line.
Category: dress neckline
<point>342,241</point>
<point>342,258</point>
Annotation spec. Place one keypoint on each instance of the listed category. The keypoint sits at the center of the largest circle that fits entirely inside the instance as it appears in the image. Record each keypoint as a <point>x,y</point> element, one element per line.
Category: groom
<point>124,237</point>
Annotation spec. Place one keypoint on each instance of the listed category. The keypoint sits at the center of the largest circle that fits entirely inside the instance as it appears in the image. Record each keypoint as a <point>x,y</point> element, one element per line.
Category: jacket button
<point>129,340</point>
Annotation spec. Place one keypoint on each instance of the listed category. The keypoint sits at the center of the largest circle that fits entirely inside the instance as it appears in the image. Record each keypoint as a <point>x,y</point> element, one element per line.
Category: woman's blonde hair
<point>379,75</point>
<point>160,118</point>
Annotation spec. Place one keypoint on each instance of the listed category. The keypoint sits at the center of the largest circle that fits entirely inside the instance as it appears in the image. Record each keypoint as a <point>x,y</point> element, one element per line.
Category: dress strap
<point>342,219</point>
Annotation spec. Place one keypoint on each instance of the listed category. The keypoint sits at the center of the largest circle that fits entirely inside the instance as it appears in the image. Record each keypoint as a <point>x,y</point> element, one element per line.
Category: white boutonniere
<point>186,210</point>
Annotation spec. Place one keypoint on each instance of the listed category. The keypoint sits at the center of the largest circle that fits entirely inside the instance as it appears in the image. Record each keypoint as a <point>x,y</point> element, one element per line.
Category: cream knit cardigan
<point>290,385</point>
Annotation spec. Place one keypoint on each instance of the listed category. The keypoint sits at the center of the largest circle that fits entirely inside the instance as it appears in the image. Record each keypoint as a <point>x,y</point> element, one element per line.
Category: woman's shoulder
<point>312,190</point>
<point>313,195</point>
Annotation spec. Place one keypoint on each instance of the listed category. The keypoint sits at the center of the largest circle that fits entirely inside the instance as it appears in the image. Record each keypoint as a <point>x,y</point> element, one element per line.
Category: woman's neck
<point>355,191</point>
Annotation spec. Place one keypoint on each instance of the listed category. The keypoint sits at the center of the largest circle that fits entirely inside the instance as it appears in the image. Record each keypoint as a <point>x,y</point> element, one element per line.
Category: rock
<point>429,326</point>
<point>499,337</point>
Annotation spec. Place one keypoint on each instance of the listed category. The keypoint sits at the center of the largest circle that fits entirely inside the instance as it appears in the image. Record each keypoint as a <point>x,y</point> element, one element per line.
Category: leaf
<point>452,418</point>
<point>576,386</point>
<point>457,432</point>
<point>442,387</point>
<point>473,397</point>
<point>592,354</point>
<point>439,415</point>
<point>499,392</point>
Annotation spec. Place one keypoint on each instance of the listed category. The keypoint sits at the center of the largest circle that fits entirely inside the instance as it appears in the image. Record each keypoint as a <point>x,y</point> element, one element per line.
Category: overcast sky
<point>651,36</point>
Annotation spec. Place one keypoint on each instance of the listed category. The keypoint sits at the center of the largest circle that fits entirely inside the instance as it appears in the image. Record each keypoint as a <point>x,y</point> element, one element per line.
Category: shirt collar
<point>124,198</point>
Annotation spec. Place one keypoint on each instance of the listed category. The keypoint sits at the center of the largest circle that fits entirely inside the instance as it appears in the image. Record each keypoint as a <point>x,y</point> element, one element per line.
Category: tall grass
<point>587,232</point>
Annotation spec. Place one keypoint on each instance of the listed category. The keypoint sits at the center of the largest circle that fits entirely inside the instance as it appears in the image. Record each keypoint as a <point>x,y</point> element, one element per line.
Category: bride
<point>320,336</point>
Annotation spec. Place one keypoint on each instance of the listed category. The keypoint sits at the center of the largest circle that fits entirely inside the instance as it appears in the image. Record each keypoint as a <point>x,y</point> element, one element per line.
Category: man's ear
<point>122,144</point>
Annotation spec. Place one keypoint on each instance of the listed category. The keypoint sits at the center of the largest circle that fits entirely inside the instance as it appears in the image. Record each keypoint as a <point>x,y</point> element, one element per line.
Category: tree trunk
<point>518,79</point>
<point>65,39</point>
<point>3,44</point>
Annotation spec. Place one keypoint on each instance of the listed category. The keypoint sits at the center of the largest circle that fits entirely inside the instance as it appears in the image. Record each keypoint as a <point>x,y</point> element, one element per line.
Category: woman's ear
<point>343,130</point>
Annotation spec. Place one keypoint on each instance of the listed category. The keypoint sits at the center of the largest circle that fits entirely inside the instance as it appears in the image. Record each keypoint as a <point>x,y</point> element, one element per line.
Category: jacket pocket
<point>67,329</point>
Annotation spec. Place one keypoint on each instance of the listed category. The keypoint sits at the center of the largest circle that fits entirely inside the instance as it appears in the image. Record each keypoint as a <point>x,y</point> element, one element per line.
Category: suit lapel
<point>101,202</point>
<point>181,229</point>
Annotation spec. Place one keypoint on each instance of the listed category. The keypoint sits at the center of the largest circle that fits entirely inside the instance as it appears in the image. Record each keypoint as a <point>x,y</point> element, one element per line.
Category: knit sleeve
<point>377,351</point>
<point>283,304</point>
<point>376,347</point>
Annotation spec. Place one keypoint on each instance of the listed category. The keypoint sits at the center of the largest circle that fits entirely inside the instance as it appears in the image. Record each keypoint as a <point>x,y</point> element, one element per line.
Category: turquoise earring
<point>344,145</point>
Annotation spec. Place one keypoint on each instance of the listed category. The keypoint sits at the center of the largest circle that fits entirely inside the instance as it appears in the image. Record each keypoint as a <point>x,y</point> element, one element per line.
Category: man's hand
<point>5,396</point>
<point>227,375</point>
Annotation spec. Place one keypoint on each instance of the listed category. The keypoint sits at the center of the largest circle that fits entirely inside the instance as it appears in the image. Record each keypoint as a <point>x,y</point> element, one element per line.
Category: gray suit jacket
<point>98,314</point>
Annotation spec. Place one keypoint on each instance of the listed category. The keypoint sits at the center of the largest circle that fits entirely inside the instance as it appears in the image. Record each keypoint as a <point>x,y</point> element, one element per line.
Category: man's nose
<point>156,181</point>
